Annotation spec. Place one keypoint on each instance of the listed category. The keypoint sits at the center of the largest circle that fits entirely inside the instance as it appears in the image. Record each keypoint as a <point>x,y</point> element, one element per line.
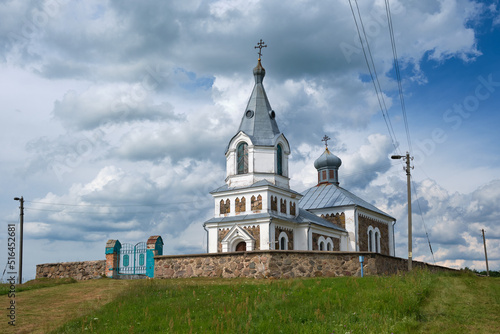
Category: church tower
<point>258,151</point>
<point>256,206</point>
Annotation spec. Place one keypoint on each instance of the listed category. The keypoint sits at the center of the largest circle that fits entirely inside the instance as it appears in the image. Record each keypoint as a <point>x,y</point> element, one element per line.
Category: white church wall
<point>212,239</point>
<point>263,160</point>
<point>300,238</point>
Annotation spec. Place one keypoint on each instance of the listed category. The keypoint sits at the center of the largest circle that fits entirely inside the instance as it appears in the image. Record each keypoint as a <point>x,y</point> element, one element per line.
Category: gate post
<point>154,247</point>
<point>112,258</point>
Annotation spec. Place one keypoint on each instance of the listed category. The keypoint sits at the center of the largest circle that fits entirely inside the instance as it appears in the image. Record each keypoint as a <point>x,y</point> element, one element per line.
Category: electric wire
<point>398,73</point>
<point>403,110</point>
<point>373,73</point>
<point>422,218</point>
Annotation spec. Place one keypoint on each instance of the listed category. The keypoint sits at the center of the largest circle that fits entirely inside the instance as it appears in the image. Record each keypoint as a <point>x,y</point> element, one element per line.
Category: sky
<point>115,116</point>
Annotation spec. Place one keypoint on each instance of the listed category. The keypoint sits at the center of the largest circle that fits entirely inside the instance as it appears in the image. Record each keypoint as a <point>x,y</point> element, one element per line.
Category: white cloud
<point>145,96</point>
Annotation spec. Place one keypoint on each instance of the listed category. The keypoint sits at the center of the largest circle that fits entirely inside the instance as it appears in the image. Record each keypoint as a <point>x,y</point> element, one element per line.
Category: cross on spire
<point>326,139</point>
<point>259,46</point>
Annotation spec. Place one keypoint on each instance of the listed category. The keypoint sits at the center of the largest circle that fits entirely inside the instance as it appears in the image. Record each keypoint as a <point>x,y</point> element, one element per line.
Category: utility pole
<point>485,255</point>
<point>21,216</point>
<point>407,158</point>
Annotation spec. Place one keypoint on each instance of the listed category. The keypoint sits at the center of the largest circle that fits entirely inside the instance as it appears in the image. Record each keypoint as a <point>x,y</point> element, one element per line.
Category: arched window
<point>329,244</point>
<point>242,153</point>
<point>222,208</point>
<point>279,160</point>
<point>283,241</point>
<point>377,240</point>
<point>370,240</point>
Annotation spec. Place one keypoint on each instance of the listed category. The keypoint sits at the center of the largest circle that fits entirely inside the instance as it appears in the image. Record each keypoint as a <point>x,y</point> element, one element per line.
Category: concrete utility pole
<point>21,216</point>
<point>485,255</point>
<point>407,158</point>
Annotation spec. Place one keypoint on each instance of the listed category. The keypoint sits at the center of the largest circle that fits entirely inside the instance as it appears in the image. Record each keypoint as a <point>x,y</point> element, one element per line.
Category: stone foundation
<point>83,270</point>
<point>281,264</point>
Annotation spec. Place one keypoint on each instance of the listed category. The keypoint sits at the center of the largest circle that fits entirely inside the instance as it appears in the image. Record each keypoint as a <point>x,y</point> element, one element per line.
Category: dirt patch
<point>43,310</point>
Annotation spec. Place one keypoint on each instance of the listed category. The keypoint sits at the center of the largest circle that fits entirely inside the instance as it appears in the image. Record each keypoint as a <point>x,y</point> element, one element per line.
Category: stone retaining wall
<point>281,264</point>
<point>83,270</point>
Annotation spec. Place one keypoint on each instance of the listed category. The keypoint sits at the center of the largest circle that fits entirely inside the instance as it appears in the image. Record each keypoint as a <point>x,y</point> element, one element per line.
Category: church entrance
<point>241,247</point>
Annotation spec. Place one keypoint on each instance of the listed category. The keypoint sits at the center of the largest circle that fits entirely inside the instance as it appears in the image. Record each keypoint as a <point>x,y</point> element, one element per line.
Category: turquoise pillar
<point>154,247</point>
<point>112,258</point>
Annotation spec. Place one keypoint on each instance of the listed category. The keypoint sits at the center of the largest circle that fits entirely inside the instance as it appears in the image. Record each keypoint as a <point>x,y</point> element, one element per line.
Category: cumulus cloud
<point>152,92</point>
<point>110,105</point>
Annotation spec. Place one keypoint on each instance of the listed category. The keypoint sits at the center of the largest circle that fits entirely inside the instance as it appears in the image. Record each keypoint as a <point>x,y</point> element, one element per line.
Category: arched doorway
<point>241,247</point>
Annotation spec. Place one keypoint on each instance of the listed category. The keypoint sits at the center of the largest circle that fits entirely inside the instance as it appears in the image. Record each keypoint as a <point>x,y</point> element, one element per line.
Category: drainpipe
<point>308,229</point>
<point>207,235</point>
<point>270,242</point>
<point>356,229</point>
<point>393,241</point>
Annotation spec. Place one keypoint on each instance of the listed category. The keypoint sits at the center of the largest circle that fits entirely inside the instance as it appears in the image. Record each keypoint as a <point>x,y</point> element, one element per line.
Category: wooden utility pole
<point>407,158</point>
<point>485,255</point>
<point>21,222</point>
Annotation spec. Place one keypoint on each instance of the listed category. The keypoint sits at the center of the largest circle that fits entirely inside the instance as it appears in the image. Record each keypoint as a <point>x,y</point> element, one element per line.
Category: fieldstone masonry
<point>281,264</point>
<point>83,270</point>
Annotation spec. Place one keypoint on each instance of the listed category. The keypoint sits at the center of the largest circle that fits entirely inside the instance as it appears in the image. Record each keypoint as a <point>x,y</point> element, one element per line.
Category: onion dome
<point>327,165</point>
<point>327,160</point>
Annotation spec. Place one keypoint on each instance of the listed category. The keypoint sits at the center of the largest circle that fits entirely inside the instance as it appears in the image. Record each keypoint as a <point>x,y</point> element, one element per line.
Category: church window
<point>321,246</point>
<point>324,175</point>
<point>224,207</point>
<point>283,205</point>
<point>240,206</point>
<point>279,160</point>
<point>256,203</point>
<point>376,241</point>
<point>274,203</point>
<point>292,209</point>
<point>283,241</point>
<point>332,176</point>
<point>242,153</point>
<point>370,240</point>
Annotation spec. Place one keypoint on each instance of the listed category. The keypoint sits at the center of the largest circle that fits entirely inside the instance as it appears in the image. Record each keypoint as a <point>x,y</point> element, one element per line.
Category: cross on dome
<point>326,139</point>
<point>259,46</point>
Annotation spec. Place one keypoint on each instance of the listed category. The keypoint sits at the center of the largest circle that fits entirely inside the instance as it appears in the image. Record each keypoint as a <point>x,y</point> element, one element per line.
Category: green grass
<point>318,305</point>
<point>419,302</point>
<point>36,284</point>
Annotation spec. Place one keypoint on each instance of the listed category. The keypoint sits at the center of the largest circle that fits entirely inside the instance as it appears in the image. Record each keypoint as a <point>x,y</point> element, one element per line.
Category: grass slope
<point>416,303</point>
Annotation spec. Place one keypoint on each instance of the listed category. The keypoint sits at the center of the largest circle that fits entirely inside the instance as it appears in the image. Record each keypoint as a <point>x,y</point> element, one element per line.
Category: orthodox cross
<point>326,139</point>
<point>259,46</point>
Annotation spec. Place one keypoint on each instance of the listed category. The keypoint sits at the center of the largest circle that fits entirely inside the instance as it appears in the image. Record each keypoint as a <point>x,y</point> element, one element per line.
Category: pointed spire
<point>258,120</point>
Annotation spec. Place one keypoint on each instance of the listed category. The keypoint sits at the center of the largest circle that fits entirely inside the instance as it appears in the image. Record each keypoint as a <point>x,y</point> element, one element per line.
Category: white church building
<point>256,209</point>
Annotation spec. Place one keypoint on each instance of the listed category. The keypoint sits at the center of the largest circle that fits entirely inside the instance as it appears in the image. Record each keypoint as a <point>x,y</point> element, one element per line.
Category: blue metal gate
<point>132,259</point>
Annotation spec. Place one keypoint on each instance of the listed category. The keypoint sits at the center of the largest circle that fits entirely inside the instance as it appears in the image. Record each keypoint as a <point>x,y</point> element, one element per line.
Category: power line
<point>422,218</point>
<point>373,74</point>
<point>398,74</point>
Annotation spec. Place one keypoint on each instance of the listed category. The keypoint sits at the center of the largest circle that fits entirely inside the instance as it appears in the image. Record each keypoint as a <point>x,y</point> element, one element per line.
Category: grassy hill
<point>419,302</point>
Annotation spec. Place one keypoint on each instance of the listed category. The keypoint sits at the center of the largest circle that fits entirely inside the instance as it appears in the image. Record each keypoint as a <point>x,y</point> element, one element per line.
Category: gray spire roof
<point>258,119</point>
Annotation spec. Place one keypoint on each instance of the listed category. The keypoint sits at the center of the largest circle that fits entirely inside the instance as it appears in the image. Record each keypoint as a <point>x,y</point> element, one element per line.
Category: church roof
<point>254,185</point>
<point>258,120</point>
<point>304,217</point>
<point>330,195</point>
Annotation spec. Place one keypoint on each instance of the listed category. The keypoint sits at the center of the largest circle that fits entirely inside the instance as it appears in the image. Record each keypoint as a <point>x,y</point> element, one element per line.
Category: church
<point>257,210</point>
